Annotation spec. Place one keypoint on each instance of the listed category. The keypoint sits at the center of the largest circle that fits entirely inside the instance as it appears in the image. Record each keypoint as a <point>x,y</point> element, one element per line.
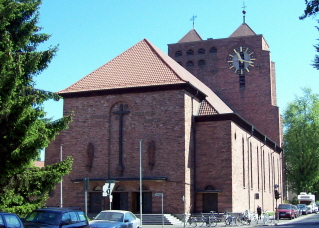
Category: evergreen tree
<point>301,143</point>
<point>312,10</point>
<point>24,128</point>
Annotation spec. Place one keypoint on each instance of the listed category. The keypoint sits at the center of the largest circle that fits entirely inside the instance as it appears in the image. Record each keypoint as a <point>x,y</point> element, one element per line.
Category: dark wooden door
<point>95,202</point>
<point>210,202</point>
<point>120,201</point>
<point>146,202</point>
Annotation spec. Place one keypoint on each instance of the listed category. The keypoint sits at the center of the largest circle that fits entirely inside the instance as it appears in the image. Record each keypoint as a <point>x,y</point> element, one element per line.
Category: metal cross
<point>193,19</point>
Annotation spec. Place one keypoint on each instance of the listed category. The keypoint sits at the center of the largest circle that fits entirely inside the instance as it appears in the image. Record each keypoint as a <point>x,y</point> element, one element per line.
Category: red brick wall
<point>160,117</point>
<point>256,102</point>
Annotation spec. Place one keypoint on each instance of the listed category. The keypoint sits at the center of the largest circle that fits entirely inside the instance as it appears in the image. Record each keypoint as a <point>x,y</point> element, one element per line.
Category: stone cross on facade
<point>121,112</point>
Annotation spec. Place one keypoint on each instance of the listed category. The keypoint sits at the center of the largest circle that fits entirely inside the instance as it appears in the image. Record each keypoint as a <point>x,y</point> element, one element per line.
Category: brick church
<point>203,120</point>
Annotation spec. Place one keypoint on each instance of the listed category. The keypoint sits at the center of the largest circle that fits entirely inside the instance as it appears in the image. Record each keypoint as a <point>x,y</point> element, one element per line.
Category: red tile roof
<point>243,30</point>
<point>192,35</point>
<point>139,66</point>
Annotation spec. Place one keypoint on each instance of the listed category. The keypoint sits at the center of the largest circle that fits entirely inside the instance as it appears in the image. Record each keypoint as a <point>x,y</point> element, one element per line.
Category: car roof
<point>59,209</point>
<point>123,211</point>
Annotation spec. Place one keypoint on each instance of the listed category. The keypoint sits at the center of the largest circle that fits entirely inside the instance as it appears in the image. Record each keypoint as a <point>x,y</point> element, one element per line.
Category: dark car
<point>9,220</point>
<point>115,219</point>
<point>55,217</point>
<point>296,210</point>
<point>302,208</point>
<point>286,211</point>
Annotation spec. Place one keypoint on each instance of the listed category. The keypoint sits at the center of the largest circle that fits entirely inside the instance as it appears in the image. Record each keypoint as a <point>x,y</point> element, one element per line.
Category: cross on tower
<point>193,19</point>
<point>121,112</point>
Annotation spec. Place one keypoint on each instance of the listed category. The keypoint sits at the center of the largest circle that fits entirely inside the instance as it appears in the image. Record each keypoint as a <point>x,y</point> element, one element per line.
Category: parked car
<point>302,208</point>
<point>286,211</point>
<point>314,208</point>
<point>55,217</point>
<point>296,210</point>
<point>115,218</point>
<point>9,220</point>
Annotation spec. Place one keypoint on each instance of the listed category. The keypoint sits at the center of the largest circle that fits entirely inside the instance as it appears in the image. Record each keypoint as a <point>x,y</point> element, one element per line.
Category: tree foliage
<point>312,10</point>
<point>24,128</point>
<point>301,135</point>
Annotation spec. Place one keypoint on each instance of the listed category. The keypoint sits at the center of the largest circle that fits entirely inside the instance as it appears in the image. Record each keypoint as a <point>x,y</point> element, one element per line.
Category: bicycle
<point>244,219</point>
<point>192,221</point>
<point>229,219</point>
<point>212,220</point>
<point>266,218</point>
<point>254,217</point>
<point>203,220</point>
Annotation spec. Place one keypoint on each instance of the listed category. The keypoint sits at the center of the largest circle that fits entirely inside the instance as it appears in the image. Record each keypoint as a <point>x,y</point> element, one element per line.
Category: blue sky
<point>92,32</point>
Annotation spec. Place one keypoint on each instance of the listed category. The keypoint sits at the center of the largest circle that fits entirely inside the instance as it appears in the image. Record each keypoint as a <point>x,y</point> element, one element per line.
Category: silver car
<point>115,219</point>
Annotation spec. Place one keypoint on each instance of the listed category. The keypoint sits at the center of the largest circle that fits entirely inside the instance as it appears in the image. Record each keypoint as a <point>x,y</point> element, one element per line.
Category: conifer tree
<point>312,10</point>
<point>23,123</point>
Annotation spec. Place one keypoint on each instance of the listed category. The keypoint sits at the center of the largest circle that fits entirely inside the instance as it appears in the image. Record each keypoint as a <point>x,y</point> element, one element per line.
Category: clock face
<point>241,60</point>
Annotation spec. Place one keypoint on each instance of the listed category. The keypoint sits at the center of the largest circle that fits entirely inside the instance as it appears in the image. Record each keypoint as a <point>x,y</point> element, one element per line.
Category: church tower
<point>239,70</point>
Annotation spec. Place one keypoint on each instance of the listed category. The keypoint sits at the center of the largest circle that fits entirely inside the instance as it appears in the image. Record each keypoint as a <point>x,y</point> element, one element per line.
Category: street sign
<point>108,187</point>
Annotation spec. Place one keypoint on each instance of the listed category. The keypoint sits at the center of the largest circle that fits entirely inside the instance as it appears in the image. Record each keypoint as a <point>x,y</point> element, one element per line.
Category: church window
<point>190,52</point>
<point>209,187</point>
<point>190,64</point>
<point>201,51</point>
<point>251,167</point>
<point>178,54</point>
<point>243,152</point>
<point>263,169</point>
<point>201,63</point>
<point>213,50</point>
<point>120,188</point>
<point>258,168</point>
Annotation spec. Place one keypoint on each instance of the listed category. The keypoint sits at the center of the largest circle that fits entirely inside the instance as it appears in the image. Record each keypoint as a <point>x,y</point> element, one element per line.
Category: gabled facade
<point>195,140</point>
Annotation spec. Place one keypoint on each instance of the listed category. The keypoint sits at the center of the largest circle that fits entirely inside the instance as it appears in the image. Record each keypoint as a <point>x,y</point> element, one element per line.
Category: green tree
<point>24,128</point>
<point>301,142</point>
<point>312,9</point>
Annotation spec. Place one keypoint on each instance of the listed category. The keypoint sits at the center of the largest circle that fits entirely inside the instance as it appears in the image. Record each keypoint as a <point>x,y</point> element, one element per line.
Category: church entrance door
<point>120,201</point>
<point>146,202</point>
<point>210,202</point>
<point>95,202</point>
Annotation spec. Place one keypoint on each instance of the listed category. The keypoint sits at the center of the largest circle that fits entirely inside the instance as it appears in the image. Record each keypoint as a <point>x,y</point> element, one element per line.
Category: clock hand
<point>239,57</point>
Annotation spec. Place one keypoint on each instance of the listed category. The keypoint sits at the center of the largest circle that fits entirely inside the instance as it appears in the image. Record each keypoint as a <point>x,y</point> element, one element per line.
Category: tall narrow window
<point>251,167</point>
<point>269,170</point>
<point>243,147</point>
<point>258,168</point>
<point>263,170</point>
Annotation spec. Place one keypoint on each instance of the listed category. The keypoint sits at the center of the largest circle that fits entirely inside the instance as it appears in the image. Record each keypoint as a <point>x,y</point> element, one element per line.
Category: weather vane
<point>244,11</point>
<point>193,19</point>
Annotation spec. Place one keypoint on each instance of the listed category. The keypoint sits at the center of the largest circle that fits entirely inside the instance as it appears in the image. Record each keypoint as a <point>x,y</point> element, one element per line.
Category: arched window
<point>190,64</point>
<point>190,52</point>
<point>201,63</point>
<point>213,50</point>
<point>201,51</point>
<point>178,54</point>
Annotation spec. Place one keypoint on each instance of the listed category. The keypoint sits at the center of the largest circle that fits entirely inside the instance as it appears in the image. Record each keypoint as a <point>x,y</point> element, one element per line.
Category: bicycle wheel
<point>193,222</point>
<point>228,221</point>
<point>212,222</point>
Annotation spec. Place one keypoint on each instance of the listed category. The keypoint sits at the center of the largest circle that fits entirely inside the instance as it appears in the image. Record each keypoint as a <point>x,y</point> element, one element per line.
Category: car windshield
<point>46,217</point>
<point>110,216</point>
<point>284,206</point>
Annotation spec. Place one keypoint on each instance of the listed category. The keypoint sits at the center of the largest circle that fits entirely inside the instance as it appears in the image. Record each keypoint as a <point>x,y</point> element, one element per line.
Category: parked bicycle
<point>212,219</point>
<point>192,221</point>
<point>266,218</point>
<point>229,219</point>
